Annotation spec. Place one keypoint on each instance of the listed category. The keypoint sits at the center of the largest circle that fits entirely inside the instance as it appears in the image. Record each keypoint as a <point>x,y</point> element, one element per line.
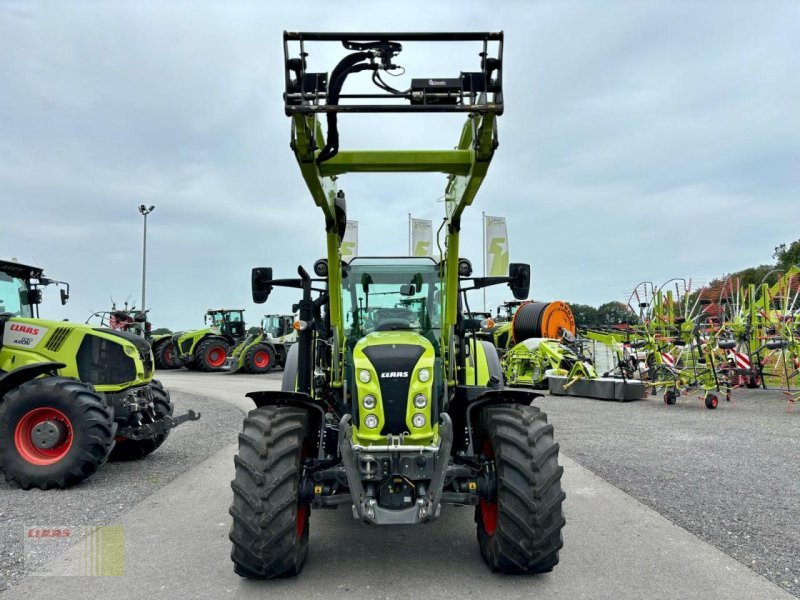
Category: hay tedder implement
<point>712,340</point>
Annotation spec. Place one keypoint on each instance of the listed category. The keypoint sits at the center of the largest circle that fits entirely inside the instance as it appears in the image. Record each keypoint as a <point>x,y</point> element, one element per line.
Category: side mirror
<point>64,296</point>
<point>408,289</point>
<point>340,212</point>
<point>520,283</point>
<point>260,283</point>
<point>366,279</point>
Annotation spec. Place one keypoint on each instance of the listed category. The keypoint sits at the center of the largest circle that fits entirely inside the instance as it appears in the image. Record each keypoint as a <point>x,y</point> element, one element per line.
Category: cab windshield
<point>275,326</point>
<point>14,296</point>
<point>387,294</point>
<point>220,318</point>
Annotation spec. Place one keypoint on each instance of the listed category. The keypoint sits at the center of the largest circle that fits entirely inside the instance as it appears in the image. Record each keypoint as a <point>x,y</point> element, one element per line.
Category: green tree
<point>614,313</point>
<point>787,256</point>
<point>584,314</point>
<point>161,330</point>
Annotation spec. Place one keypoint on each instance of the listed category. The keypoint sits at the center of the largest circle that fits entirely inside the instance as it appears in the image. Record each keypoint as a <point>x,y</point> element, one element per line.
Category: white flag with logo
<point>349,247</point>
<point>496,251</point>
<point>421,237</point>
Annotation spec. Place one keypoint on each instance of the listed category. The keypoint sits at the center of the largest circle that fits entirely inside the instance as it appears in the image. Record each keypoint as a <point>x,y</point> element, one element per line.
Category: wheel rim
<point>168,354</point>
<point>261,359</point>
<point>216,356</point>
<point>488,509</point>
<point>301,520</point>
<point>43,436</point>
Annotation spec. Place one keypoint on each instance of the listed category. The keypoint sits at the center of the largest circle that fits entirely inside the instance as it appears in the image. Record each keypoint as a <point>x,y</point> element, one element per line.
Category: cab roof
<point>16,269</point>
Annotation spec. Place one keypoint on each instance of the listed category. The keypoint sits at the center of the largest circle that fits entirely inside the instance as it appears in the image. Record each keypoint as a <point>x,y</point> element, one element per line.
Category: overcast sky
<point>641,141</point>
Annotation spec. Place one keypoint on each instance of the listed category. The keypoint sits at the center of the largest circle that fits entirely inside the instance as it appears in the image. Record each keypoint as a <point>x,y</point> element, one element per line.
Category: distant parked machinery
<point>71,395</point>
<point>266,348</point>
<point>204,349</point>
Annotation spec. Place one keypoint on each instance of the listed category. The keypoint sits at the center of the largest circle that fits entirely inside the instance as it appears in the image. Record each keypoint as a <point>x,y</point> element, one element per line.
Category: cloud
<point>640,141</point>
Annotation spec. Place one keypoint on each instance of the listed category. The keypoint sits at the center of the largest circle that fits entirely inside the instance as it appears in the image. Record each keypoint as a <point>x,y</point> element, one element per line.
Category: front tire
<point>270,527</point>
<point>211,354</point>
<point>259,359</point>
<point>127,449</point>
<point>520,532</point>
<point>54,432</point>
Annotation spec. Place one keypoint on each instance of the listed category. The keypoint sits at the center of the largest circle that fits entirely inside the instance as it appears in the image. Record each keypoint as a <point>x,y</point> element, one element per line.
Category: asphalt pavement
<point>176,543</point>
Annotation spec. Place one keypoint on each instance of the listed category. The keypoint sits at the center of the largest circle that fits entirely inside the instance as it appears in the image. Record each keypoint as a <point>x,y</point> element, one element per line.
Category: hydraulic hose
<point>349,64</point>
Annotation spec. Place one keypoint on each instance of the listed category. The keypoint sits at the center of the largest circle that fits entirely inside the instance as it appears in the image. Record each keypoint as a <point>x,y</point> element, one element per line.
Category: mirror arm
<point>482,282</point>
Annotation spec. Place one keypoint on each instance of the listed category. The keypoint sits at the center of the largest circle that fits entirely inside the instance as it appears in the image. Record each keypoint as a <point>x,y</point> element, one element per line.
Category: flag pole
<point>483,224</point>
<point>409,234</point>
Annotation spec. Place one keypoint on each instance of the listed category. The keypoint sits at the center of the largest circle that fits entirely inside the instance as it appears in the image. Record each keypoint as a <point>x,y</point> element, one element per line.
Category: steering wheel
<point>393,324</point>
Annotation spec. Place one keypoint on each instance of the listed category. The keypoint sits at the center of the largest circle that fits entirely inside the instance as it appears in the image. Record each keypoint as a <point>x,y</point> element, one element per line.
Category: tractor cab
<point>21,289</point>
<point>229,321</point>
<point>507,310</point>
<point>277,326</point>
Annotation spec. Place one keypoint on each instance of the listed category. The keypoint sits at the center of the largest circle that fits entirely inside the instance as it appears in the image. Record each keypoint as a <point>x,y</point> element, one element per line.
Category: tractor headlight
<point>364,376</point>
<point>424,375</point>
<point>418,420</point>
<point>369,402</point>
<point>420,401</point>
<point>371,421</point>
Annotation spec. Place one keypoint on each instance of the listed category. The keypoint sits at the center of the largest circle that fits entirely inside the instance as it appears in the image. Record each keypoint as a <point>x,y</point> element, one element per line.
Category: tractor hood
<point>112,360</point>
<point>394,367</point>
<point>142,345</point>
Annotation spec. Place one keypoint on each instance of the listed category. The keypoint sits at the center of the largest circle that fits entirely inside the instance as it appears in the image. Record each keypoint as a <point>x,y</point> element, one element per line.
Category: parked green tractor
<point>204,349</point>
<point>71,395</point>
<point>264,349</point>
<point>387,407</point>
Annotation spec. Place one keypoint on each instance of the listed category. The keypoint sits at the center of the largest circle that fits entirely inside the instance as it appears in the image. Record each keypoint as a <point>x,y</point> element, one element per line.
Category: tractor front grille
<point>104,362</point>
<point>394,364</point>
<point>57,338</point>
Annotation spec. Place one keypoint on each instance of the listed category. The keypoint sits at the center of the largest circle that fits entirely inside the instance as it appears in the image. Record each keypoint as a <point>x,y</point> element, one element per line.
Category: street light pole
<point>144,210</point>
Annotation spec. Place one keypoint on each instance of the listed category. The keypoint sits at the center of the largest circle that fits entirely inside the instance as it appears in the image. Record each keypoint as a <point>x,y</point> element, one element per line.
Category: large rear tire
<point>127,449</point>
<point>259,359</point>
<point>165,356</point>
<point>520,532</point>
<point>270,528</point>
<point>210,354</point>
<point>54,432</point>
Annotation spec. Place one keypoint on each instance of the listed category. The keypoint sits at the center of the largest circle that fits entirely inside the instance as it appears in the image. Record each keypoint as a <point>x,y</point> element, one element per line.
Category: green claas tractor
<point>71,395</point>
<point>387,407</point>
<point>264,349</point>
<point>204,349</point>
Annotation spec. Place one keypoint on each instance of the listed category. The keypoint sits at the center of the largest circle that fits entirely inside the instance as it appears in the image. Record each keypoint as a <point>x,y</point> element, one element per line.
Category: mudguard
<point>315,410</point>
<point>14,379</point>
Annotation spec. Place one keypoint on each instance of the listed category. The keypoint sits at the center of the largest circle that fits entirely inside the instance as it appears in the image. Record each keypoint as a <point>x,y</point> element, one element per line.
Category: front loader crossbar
<point>308,92</point>
<point>450,162</point>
